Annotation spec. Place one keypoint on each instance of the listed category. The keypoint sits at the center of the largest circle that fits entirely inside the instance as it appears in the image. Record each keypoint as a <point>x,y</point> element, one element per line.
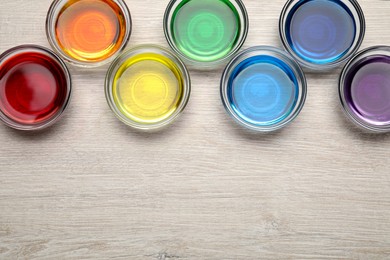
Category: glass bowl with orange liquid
<point>88,33</point>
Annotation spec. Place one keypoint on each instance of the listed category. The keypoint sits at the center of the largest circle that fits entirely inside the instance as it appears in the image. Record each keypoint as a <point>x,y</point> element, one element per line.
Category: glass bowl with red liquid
<point>35,87</point>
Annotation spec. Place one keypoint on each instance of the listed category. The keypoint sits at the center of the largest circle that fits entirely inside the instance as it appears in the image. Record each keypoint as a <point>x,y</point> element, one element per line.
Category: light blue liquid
<point>263,90</point>
<point>320,31</point>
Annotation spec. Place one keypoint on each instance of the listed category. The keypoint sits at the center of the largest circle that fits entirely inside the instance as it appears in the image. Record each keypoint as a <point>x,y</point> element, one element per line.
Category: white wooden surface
<point>91,188</point>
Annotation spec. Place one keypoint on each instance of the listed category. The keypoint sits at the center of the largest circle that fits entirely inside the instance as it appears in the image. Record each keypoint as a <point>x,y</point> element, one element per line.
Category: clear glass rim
<point>146,48</point>
<point>206,65</point>
<point>51,19</point>
<point>50,121</point>
<point>358,15</point>
<point>364,125</point>
<point>274,52</point>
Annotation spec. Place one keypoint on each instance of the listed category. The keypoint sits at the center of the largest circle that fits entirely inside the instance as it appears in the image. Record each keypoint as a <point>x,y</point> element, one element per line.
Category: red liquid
<point>33,88</point>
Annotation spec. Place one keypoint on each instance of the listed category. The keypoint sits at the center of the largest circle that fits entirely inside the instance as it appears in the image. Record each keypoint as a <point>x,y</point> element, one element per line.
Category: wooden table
<point>92,188</point>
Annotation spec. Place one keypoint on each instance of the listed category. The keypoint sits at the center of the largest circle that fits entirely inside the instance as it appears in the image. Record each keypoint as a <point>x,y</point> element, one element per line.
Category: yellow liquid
<point>148,88</point>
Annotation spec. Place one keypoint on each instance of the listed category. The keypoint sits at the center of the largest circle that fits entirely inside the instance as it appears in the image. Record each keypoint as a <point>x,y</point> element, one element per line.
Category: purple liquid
<point>367,89</point>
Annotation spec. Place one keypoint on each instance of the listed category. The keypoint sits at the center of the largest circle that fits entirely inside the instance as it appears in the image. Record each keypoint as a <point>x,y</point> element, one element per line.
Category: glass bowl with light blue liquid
<point>263,88</point>
<point>322,34</point>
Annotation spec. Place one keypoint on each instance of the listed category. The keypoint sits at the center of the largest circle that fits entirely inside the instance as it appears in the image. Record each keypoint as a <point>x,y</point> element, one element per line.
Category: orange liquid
<point>90,30</point>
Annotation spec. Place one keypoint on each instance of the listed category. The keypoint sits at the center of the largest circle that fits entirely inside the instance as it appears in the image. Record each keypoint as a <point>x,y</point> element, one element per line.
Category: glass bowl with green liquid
<point>206,32</point>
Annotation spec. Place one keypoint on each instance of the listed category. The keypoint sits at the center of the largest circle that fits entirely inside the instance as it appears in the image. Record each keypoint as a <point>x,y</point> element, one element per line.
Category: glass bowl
<point>263,88</point>
<point>88,33</point>
<point>322,34</point>
<point>35,87</point>
<point>364,89</point>
<point>205,33</point>
<point>147,87</point>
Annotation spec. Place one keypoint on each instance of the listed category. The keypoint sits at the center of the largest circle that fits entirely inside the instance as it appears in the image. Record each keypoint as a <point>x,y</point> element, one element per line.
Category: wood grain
<point>91,188</point>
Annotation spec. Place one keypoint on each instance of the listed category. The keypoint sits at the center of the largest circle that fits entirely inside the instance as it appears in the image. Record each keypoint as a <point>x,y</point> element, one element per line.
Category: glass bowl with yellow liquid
<point>88,33</point>
<point>147,87</point>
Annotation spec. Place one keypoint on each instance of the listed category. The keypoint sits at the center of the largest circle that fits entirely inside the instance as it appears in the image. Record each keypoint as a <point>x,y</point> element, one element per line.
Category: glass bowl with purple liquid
<point>364,89</point>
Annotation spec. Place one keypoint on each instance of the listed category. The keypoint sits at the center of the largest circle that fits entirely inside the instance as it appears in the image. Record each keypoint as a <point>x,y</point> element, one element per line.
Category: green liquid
<point>205,30</point>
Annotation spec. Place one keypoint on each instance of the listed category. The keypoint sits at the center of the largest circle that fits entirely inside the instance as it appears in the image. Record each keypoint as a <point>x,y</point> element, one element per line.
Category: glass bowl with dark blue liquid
<point>365,89</point>
<point>322,34</point>
<point>263,88</point>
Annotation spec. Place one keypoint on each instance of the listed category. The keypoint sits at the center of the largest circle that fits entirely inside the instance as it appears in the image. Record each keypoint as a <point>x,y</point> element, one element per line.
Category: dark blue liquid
<point>320,31</point>
<point>263,90</point>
